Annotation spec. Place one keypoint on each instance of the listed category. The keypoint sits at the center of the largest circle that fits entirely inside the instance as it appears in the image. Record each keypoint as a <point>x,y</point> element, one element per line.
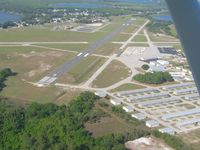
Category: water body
<point>135,1</point>
<point>163,18</point>
<point>81,5</point>
<point>4,17</point>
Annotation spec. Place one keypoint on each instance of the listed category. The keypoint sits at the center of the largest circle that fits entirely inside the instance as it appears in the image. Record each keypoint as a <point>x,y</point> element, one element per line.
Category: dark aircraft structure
<point>186,16</point>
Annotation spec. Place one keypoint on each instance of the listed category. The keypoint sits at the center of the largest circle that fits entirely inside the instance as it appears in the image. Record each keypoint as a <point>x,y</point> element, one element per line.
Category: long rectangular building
<point>149,96</point>
<point>159,102</point>
<point>139,91</point>
<point>188,122</point>
<point>181,113</point>
<point>181,85</point>
<point>185,91</point>
<point>191,97</point>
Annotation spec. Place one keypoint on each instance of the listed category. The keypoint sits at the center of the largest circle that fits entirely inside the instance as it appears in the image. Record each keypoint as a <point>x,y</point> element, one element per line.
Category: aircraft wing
<point>186,16</point>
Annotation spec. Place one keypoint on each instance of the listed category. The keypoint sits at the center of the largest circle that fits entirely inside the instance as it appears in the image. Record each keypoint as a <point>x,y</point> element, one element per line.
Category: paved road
<point>90,50</point>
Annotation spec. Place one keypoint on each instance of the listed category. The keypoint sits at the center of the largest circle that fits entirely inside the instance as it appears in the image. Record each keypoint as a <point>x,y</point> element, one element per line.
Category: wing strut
<point>186,16</point>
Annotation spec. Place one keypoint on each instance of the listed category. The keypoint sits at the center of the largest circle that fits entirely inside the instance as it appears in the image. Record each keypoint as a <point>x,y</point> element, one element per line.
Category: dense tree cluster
<point>154,78</point>
<point>157,26</point>
<point>145,67</point>
<point>49,126</point>
<point>4,74</point>
<point>8,24</point>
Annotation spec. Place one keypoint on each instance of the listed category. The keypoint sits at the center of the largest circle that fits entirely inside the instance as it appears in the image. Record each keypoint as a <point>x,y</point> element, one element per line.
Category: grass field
<point>140,38</point>
<point>82,71</point>
<point>32,63</point>
<point>36,34</point>
<point>126,87</point>
<point>115,72</point>
<point>71,47</point>
<point>108,49</point>
<point>163,38</point>
<point>121,37</point>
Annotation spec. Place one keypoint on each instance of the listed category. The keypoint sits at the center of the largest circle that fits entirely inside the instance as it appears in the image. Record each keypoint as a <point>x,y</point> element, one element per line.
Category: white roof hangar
<point>188,122</point>
<point>139,91</point>
<point>170,131</point>
<point>150,96</point>
<point>159,102</point>
<point>101,94</point>
<point>181,113</point>
<point>128,108</point>
<point>115,102</point>
<point>152,123</point>
<point>139,116</point>
<point>174,86</point>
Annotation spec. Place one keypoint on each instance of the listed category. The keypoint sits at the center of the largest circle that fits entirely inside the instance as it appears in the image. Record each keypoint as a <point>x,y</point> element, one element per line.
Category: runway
<point>47,80</point>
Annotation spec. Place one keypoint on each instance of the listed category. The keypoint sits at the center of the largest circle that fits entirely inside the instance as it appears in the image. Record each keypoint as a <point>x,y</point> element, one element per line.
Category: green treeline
<point>49,126</point>
<point>154,78</point>
<point>157,26</point>
<point>4,74</point>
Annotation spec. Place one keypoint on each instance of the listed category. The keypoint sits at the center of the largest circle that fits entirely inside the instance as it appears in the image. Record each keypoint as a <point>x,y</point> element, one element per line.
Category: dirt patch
<point>147,143</point>
<point>41,69</point>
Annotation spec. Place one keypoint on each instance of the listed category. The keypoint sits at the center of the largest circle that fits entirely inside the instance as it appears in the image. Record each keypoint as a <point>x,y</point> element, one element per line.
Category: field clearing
<point>112,123</point>
<point>130,29</point>
<point>108,49</point>
<point>21,92</point>
<point>34,34</point>
<point>140,38</point>
<point>138,45</point>
<point>67,96</point>
<point>193,138</point>
<point>71,47</point>
<point>121,37</point>
<point>139,21</point>
<point>115,72</point>
<point>32,63</point>
<point>126,87</point>
<point>163,38</point>
<point>82,71</point>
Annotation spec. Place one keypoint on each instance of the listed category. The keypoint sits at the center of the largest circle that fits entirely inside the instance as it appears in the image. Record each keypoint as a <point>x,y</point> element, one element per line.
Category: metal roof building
<point>170,131</point>
<point>181,113</point>
<point>188,122</point>
<point>158,102</point>
<point>185,91</point>
<point>194,96</point>
<point>149,96</point>
<point>115,102</point>
<point>174,86</point>
<point>139,91</point>
<point>128,108</point>
<point>139,116</point>
<point>152,123</point>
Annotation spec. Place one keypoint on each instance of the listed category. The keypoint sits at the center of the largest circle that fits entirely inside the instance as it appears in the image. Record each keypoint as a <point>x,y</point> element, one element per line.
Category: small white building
<point>101,94</point>
<point>152,123</point>
<point>115,102</point>
<point>163,62</point>
<point>139,116</point>
<point>128,108</point>
<point>170,131</point>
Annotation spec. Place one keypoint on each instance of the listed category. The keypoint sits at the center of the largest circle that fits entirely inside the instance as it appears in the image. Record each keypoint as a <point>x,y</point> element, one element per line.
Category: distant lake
<point>4,17</point>
<point>80,5</point>
<point>163,18</point>
<point>135,1</point>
